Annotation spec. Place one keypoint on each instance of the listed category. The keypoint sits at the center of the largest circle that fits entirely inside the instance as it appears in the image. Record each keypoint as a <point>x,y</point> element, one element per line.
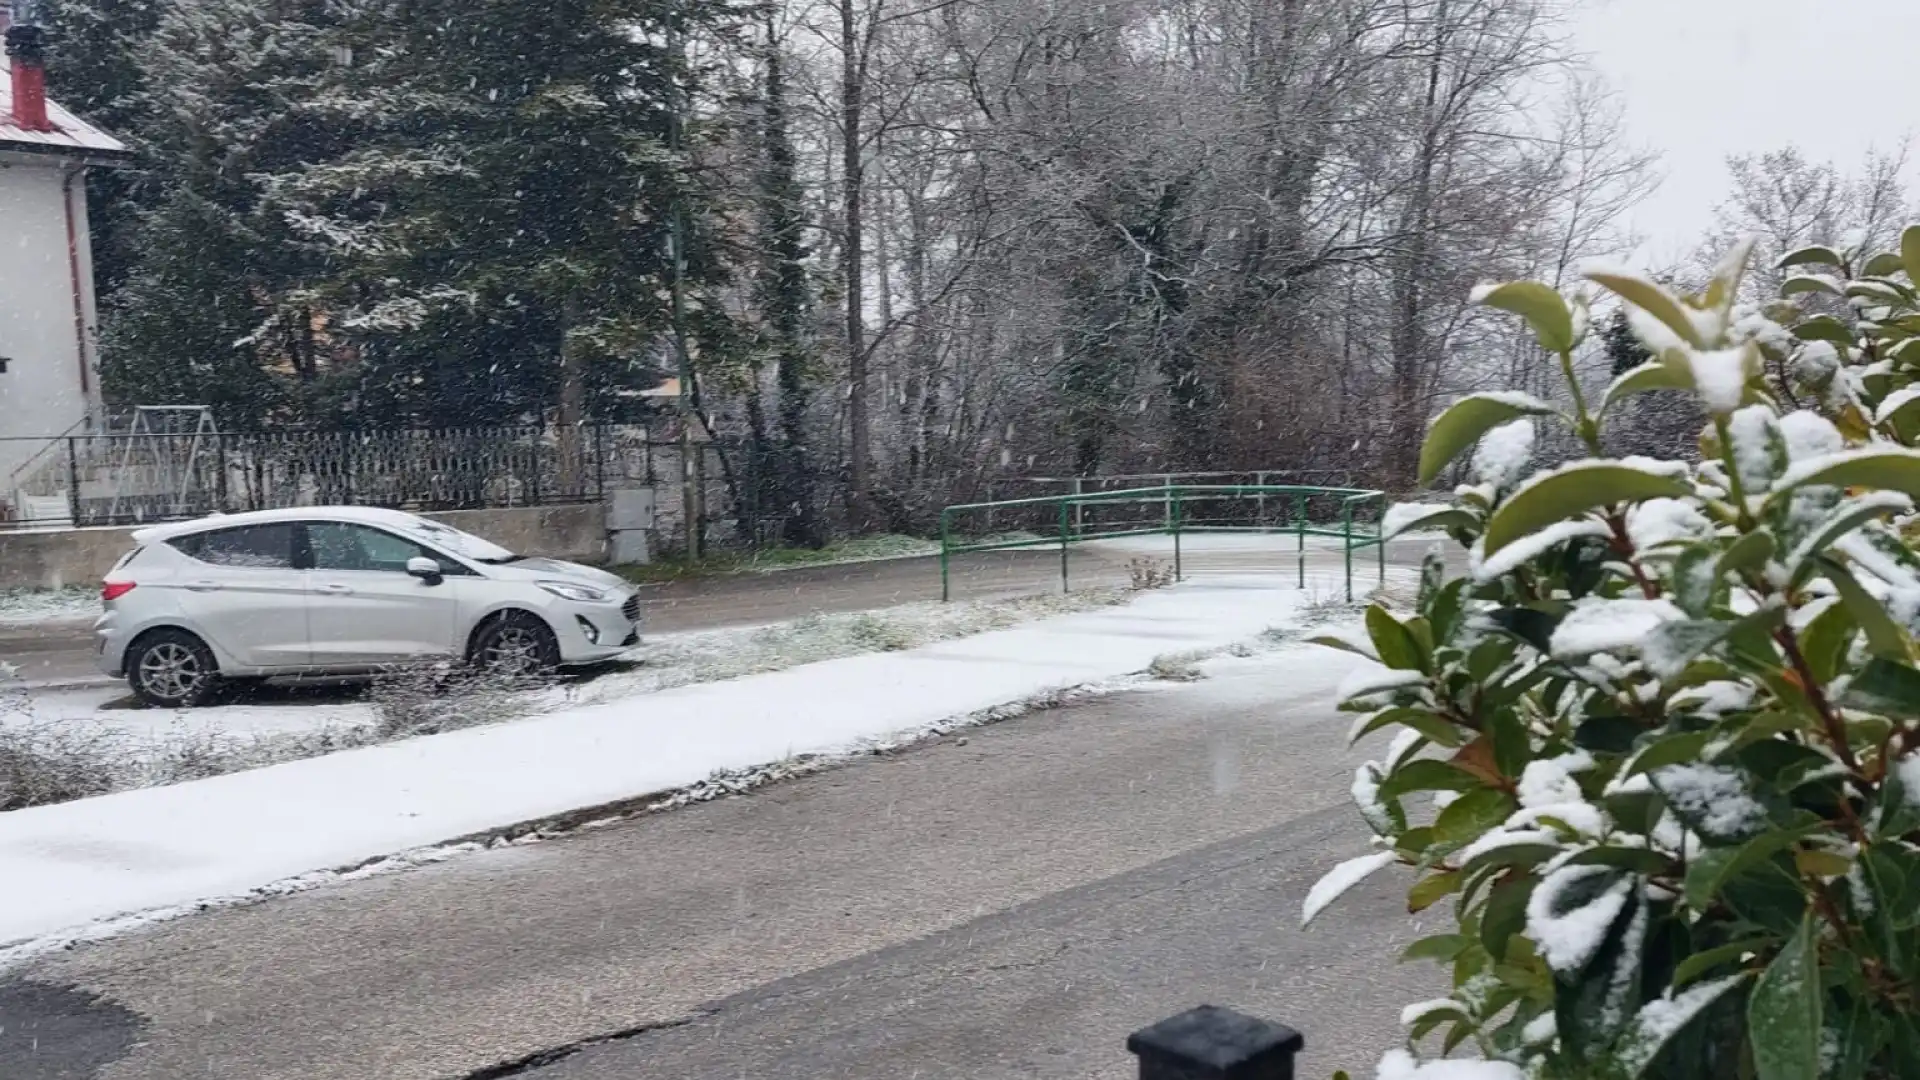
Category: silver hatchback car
<point>343,591</point>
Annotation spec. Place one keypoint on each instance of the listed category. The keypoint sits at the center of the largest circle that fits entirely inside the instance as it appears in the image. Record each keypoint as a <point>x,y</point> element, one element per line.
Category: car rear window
<point>249,546</point>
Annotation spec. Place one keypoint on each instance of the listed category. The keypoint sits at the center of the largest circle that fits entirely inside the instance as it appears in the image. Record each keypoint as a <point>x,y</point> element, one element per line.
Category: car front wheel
<point>516,645</point>
<point>172,669</point>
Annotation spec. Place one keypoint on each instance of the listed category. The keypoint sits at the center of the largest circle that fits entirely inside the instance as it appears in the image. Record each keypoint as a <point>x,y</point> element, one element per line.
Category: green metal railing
<point>1065,521</point>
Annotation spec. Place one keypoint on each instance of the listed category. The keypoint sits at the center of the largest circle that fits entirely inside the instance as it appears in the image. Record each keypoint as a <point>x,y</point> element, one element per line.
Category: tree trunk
<point>784,291</point>
<point>852,112</point>
<point>1408,336</point>
<point>573,401</point>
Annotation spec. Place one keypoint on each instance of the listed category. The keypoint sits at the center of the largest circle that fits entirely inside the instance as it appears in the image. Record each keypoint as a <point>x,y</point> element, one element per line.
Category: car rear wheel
<point>172,669</point>
<point>516,645</point>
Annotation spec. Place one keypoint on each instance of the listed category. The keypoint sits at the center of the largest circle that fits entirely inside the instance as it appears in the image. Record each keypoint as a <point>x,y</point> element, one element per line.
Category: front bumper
<point>590,633</point>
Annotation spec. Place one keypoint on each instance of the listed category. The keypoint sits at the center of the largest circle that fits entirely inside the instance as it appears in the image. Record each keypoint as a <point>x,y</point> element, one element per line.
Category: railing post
<point>73,483</point>
<point>220,463</point>
<point>1212,1043</point>
<point>538,444</point>
<point>1300,533</point>
<point>1178,520</point>
<point>1380,540</point>
<point>1166,501</point>
<point>1064,588</point>
<point>1346,526</point>
<point>946,520</point>
<point>600,462</point>
<point>346,465</point>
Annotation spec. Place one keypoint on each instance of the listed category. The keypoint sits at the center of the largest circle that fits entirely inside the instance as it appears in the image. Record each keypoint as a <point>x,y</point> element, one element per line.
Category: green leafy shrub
<point>1658,747</point>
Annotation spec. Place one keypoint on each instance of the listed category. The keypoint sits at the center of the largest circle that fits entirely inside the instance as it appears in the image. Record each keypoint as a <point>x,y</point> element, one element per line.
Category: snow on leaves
<point>1673,703</point>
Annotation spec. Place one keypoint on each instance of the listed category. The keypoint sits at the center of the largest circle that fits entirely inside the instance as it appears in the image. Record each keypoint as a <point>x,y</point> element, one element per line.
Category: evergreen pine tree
<point>213,307</point>
<point>93,69</point>
<point>503,209</point>
<point>1623,348</point>
<point>785,298</point>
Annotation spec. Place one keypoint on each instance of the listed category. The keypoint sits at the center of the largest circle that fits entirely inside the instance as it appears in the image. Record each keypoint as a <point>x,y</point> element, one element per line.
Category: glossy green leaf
<point>1815,255</point>
<point>1543,308</point>
<point>1808,283</point>
<point>1661,1023</point>
<point>1504,913</point>
<point>1671,646</point>
<point>1884,636</point>
<point>1888,687</point>
<point>1392,640</point>
<point>1653,375</point>
<point>1441,947</point>
<point>1462,424</point>
<point>1705,961</point>
<point>1910,252</point>
<point>1709,816</point>
<point>1712,868</point>
<point>1443,517</point>
<point>1472,814</point>
<point>1332,641</point>
<point>1430,890</point>
<point>1529,625</point>
<point>1886,468</point>
<point>1824,641</point>
<point>1593,1008</point>
<point>1824,328</point>
<point>1747,554</point>
<point>1841,520</point>
<point>1784,1013</point>
<point>1696,579</point>
<point>1723,287</point>
<point>1885,264</point>
<point>1574,490</point>
<point>1653,299</point>
<point>1436,728</point>
<point>1427,774</point>
<point>1668,750</point>
<point>1875,292</point>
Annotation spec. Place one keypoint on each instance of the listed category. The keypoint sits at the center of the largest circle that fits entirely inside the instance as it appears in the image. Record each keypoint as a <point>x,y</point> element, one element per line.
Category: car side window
<point>338,545</point>
<point>260,547</point>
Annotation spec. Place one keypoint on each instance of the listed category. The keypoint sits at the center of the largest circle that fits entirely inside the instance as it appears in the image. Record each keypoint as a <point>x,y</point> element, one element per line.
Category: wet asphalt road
<point>1010,907</point>
<point>1007,907</point>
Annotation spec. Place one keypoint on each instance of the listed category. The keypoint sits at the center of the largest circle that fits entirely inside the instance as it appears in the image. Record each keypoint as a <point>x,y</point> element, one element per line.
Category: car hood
<point>537,569</point>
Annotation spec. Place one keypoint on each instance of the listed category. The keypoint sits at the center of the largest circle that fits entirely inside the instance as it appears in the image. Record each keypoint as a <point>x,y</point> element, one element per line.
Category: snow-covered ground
<point>663,662</point>
<point>75,868</point>
<point>20,607</point>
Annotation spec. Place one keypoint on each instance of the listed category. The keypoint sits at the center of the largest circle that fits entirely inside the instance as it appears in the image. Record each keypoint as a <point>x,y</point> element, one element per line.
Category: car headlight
<point>567,590</point>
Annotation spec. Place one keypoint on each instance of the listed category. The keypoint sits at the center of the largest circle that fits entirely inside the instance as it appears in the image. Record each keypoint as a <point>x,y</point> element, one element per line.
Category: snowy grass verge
<point>721,784</point>
<point>26,607</point>
<point>48,758</point>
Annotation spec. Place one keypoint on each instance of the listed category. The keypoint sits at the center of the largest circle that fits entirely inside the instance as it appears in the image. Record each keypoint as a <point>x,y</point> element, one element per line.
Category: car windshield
<point>464,544</point>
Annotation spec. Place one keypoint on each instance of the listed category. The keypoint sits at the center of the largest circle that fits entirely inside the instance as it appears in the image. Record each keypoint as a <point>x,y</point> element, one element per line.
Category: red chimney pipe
<point>26,54</point>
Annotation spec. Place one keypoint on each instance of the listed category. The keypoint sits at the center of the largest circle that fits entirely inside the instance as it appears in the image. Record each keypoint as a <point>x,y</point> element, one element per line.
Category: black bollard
<point>1212,1043</point>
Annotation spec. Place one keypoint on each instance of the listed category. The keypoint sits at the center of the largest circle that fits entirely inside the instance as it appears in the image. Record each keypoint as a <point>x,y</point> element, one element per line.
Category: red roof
<point>70,135</point>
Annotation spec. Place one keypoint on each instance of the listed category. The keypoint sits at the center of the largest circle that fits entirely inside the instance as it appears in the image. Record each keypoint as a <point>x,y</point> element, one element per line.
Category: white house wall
<point>41,391</point>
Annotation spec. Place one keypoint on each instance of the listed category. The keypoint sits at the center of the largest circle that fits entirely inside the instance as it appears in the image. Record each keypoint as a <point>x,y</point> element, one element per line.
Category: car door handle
<point>334,588</point>
<point>203,586</point>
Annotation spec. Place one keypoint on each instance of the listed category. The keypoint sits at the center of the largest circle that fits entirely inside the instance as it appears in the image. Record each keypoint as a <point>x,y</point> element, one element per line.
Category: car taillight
<point>114,590</point>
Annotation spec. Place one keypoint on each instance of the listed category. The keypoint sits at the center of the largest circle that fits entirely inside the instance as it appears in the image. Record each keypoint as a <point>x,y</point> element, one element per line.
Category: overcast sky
<point>1702,79</point>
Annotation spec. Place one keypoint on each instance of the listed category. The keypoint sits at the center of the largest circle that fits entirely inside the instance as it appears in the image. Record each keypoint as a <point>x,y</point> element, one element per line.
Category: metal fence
<point>90,480</point>
<point>1351,515</point>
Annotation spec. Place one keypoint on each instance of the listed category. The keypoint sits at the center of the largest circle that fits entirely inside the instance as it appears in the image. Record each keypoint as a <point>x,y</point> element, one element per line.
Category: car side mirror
<point>425,569</point>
